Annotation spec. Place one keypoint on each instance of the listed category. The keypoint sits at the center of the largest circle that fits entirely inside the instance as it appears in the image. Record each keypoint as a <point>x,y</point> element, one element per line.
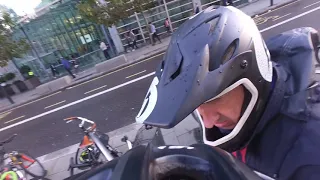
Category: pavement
<point>113,99</point>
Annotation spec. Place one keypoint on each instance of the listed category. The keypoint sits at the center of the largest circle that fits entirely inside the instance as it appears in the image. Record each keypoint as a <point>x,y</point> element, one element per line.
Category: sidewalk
<point>255,7</point>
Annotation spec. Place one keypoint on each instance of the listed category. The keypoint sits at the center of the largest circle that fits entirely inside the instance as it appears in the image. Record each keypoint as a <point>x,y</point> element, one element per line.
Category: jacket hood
<point>296,90</point>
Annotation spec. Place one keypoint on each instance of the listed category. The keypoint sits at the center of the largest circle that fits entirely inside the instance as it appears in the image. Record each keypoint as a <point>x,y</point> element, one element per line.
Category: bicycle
<point>17,164</point>
<point>93,145</point>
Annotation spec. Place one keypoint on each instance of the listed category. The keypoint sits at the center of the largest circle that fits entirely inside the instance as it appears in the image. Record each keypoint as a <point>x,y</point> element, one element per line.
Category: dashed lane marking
<point>135,74</point>
<point>95,89</point>
<point>55,104</point>
<point>14,119</point>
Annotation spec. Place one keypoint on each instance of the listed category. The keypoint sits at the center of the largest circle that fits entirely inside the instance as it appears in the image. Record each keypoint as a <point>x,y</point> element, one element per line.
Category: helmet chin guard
<point>229,137</point>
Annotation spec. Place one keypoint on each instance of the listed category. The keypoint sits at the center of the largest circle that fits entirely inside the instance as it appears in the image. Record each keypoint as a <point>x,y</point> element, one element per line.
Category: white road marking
<point>114,71</point>
<point>3,115</point>
<point>132,81</point>
<point>32,102</point>
<point>135,74</point>
<point>311,4</point>
<point>55,104</point>
<point>281,17</point>
<point>95,89</point>
<point>14,119</point>
<point>290,19</point>
<point>76,102</point>
<point>270,11</point>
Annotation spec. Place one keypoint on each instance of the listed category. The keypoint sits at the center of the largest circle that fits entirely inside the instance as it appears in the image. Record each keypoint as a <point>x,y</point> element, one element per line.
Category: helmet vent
<point>229,53</point>
<point>177,72</point>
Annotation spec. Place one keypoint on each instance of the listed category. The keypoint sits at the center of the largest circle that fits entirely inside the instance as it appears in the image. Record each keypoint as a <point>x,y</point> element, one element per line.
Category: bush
<point>2,79</point>
<point>25,69</point>
<point>9,76</point>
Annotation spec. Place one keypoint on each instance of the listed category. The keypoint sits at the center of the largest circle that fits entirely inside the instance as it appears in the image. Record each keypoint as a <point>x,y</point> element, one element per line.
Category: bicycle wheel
<point>9,175</point>
<point>31,165</point>
<point>86,156</point>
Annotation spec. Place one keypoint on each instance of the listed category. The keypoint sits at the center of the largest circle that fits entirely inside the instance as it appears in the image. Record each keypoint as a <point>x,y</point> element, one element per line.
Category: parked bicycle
<point>94,149</point>
<point>16,165</point>
<point>145,135</point>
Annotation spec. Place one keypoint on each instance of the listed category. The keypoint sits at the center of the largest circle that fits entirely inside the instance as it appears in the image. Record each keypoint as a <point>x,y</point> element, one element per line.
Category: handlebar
<point>8,140</point>
<point>83,120</point>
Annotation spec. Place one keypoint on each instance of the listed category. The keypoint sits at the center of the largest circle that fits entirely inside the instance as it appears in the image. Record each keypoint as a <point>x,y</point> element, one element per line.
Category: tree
<point>10,48</point>
<point>112,11</point>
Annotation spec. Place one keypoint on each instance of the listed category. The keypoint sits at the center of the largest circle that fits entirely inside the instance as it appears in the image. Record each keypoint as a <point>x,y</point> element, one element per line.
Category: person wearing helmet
<point>257,100</point>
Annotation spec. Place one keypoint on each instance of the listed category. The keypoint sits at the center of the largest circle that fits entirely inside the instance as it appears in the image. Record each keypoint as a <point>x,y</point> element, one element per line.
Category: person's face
<point>223,112</point>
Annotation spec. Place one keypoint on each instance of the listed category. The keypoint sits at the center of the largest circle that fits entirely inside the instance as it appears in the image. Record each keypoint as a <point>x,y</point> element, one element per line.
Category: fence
<point>176,11</point>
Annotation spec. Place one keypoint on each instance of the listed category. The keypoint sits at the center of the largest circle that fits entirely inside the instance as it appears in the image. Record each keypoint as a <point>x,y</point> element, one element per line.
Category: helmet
<point>196,162</point>
<point>212,53</point>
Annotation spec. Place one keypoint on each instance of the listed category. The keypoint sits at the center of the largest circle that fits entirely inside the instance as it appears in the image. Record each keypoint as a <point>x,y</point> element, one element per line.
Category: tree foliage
<point>111,11</point>
<point>8,47</point>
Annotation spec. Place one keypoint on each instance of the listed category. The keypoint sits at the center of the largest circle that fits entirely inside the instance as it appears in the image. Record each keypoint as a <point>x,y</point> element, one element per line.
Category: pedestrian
<point>153,33</point>
<point>74,63</point>
<point>54,70</point>
<point>197,10</point>
<point>129,42</point>
<point>257,100</point>
<point>167,25</point>
<point>133,39</point>
<point>227,2</point>
<point>104,48</point>
<point>67,66</point>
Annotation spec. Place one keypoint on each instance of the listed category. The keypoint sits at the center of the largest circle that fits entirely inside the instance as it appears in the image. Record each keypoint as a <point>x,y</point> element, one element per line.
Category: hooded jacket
<point>286,143</point>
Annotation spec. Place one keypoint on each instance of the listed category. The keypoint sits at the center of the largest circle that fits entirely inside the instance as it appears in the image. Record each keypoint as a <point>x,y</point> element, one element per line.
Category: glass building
<point>59,31</point>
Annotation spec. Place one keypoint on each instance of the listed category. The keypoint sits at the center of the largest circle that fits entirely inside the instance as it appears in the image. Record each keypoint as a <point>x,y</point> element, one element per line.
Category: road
<point>113,100</point>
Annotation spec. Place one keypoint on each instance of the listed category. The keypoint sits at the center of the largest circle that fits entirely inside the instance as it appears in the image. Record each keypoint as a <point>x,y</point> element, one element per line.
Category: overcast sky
<point>21,7</point>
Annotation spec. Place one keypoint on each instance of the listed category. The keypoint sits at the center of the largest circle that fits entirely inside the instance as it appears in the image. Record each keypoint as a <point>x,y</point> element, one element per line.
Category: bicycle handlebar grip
<point>93,127</point>
<point>70,118</point>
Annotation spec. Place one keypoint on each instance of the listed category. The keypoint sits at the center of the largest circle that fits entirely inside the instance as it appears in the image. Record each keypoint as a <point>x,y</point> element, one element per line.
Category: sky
<point>21,7</point>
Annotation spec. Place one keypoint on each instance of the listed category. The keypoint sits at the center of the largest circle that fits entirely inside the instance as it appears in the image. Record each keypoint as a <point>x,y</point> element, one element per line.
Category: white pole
<point>138,21</point>
<point>165,6</point>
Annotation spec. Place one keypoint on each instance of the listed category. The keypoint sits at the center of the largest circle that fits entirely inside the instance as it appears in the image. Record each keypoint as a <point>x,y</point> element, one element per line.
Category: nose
<point>209,116</point>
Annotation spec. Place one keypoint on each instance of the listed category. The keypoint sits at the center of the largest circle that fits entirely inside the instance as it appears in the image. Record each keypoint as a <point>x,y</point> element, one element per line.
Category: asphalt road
<point>114,99</point>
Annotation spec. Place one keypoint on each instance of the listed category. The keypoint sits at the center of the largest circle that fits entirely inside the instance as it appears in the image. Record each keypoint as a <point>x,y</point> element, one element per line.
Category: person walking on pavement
<point>227,2</point>
<point>74,63</point>
<point>104,48</point>
<point>167,25</point>
<point>133,39</point>
<point>129,42</point>
<point>54,70</point>
<point>197,10</point>
<point>67,66</point>
<point>153,33</point>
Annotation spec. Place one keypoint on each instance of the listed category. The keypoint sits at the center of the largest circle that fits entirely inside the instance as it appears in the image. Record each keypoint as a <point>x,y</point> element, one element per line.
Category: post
<point>5,93</point>
<point>107,38</point>
<point>271,2</point>
<point>168,15</point>
<point>138,21</point>
<point>34,50</point>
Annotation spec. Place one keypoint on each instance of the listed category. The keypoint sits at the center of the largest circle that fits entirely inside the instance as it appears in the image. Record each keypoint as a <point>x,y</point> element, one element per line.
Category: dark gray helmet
<point>209,55</point>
